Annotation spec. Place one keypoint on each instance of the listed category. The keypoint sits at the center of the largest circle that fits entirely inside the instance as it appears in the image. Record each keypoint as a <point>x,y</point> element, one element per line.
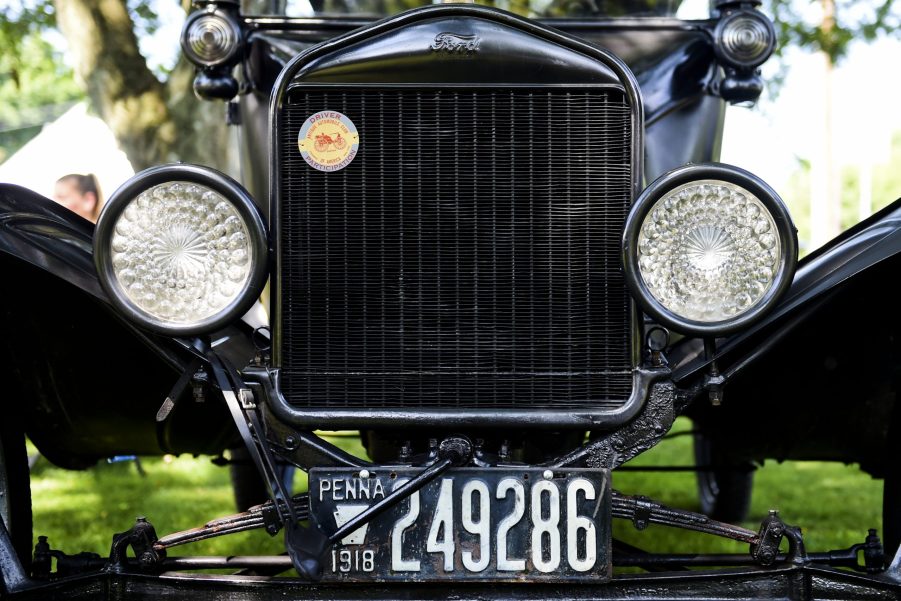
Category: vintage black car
<point>499,245</point>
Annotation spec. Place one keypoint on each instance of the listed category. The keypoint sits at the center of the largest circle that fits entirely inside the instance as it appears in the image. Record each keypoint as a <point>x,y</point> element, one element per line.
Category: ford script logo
<point>453,42</point>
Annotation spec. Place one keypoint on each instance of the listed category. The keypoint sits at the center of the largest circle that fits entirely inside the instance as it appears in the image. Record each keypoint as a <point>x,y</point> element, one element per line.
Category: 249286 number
<point>473,523</point>
<point>581,551</point>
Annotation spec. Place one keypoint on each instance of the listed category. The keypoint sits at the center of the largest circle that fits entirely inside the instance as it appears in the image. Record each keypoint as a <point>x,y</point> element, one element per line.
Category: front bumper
<point>789,582</point>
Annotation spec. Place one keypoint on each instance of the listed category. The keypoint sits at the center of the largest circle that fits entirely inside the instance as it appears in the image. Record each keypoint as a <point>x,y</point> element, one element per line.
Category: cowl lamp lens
<point>210,39</point>
<point>745,39</point>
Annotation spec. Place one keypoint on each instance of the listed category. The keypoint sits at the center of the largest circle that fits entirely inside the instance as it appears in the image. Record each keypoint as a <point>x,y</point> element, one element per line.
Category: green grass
<point>79,511</point>
<point>833,503</point>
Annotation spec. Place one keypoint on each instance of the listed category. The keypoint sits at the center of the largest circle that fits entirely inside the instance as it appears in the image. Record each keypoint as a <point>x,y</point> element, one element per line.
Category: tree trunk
<point>826,193</point>
<point>154,122</point>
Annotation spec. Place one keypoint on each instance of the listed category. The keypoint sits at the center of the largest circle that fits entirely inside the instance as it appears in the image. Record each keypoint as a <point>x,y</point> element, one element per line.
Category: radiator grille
<point>468,257</point>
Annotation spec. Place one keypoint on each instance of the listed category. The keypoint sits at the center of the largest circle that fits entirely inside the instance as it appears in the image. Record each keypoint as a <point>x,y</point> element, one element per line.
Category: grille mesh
<point>467,257</point>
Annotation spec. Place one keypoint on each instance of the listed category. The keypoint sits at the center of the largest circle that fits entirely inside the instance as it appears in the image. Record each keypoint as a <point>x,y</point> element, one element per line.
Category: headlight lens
<point>182,253</point>
<point>709,248</point>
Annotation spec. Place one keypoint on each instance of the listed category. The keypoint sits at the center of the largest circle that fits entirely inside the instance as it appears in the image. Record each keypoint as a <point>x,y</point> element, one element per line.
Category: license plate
<point>476,524</point>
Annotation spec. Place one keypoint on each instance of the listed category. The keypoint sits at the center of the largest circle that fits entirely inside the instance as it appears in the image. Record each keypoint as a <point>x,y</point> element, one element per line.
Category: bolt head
<point>548,475</point>
<point>364,474</point>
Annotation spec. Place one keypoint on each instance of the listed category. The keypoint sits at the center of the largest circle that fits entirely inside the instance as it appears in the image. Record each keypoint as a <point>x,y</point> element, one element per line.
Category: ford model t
<point>498,244</point>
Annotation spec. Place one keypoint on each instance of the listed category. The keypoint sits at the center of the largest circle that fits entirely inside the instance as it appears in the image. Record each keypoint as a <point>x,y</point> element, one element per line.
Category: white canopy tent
<point>77,142</point>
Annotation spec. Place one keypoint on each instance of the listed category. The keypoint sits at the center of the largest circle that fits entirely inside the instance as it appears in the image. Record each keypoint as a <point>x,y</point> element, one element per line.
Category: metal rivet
<point>548,475</point>
<point>364,474</point>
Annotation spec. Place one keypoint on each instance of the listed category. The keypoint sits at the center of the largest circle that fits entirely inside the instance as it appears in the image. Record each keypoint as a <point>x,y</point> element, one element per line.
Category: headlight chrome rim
<point>233,193</point>
<point>687,174</point>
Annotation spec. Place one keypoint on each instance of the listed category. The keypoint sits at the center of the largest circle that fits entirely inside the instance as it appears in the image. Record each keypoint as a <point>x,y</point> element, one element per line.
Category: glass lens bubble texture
<point>709,251</point>
<point>181,252</point>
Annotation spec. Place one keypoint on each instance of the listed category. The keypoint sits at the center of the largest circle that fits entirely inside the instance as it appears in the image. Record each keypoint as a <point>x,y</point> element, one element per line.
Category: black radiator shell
<point>354,372</point>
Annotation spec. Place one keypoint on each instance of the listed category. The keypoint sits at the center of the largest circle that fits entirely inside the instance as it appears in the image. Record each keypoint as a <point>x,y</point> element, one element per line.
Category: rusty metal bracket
<point>772,531</point>
<point>641,518</point>
<point>141,538</point>
<point>611,449</point>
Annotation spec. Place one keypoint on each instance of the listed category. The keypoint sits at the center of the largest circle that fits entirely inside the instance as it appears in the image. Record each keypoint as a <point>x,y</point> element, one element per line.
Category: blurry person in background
<point>79,193</point>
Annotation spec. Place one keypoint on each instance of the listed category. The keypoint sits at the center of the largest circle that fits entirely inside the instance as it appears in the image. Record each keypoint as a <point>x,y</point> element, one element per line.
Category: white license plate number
<point>477,524</point>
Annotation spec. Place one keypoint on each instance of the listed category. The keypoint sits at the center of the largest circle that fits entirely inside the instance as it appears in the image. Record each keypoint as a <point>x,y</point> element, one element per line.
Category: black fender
<point>88,382</point>
<point>45,234</point>
<point>818,377</point>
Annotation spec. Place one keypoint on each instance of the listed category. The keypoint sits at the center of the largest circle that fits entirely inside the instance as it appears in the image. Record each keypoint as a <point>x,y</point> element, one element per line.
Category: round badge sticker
<point>328,141</point>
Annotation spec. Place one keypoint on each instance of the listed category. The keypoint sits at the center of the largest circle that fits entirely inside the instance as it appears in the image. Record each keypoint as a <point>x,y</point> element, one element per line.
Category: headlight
<point>181,249</point>
<point>210,38</point>
<point>709,249</point>
<point>744,39</point>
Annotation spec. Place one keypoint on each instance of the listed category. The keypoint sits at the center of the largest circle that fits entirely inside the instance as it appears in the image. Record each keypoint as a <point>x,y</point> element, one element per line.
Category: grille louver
<point>468,257</point>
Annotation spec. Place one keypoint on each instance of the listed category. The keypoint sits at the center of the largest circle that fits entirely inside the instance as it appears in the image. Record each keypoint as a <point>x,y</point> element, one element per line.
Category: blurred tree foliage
<point>155,116</point>
<point>524,8</point>
<point>155,119</point>
<point>35,84</point>
<point>153,113</point>
<point>885,189</point>
<point>832,29</point>
<point>828,26</point>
